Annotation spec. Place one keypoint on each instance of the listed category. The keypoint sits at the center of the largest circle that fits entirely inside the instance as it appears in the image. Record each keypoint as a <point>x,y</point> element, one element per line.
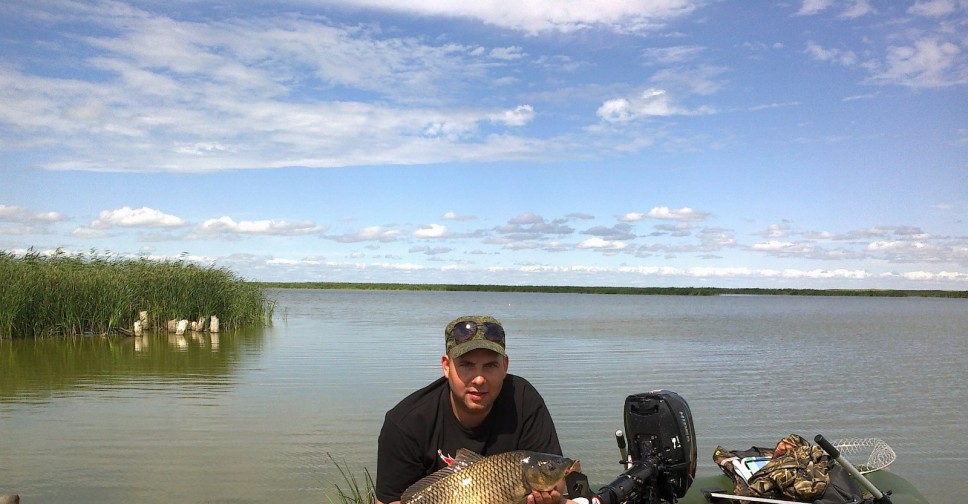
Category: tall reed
<point>68,294</point>
<point>354,493</point>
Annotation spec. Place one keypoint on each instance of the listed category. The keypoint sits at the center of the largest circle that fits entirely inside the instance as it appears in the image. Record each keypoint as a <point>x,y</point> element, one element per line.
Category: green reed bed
<point>74,294</point>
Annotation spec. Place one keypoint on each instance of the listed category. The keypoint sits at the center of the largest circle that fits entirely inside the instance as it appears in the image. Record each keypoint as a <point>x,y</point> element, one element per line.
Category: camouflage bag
<point>796,470</point>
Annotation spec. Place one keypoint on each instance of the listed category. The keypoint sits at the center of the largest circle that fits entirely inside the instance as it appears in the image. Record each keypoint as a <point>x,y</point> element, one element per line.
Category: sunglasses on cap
<point>467,329</point>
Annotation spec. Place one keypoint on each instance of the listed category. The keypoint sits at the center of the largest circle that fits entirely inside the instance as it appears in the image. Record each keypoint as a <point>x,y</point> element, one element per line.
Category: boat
<point>659,446</point>
<point>901,491</point>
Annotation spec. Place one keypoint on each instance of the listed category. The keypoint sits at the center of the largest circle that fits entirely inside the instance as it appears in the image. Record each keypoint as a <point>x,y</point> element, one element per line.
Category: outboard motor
<point>661,451</point>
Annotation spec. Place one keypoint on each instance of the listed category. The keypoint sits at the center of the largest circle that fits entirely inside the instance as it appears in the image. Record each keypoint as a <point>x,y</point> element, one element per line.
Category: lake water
<point>260,416</point>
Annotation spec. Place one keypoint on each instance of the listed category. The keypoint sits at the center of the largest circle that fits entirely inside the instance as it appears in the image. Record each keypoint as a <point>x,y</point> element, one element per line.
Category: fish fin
<point>464,459</point>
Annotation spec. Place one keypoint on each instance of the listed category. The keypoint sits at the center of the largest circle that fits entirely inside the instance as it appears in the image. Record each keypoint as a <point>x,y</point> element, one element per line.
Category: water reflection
<point>39,369</point>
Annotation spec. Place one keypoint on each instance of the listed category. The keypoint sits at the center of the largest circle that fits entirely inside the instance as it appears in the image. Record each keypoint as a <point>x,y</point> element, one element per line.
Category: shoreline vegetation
<point>647,291</point>
<point>95,294</point>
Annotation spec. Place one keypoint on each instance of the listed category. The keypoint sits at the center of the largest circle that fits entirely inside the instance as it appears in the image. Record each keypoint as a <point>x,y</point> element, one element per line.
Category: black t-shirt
<point>421,434</point>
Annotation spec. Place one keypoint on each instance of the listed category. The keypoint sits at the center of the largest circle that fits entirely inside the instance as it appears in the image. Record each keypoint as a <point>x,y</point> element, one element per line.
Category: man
<point>476,405</point>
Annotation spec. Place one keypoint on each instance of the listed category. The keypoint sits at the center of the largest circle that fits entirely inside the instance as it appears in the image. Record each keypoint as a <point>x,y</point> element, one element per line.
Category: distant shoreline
<point>649,291</point>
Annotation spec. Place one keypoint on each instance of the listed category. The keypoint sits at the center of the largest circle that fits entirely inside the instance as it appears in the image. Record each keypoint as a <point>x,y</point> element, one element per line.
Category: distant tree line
<point>648,291</point>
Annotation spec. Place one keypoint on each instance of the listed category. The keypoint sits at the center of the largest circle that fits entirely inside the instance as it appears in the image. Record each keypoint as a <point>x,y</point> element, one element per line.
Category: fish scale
<point>505,478</point>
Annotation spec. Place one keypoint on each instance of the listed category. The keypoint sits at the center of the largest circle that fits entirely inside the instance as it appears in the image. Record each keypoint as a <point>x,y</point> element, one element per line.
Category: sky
<point>774,144</point>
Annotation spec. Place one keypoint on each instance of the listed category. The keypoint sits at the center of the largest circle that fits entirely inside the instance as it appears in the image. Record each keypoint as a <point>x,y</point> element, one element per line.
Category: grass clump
<point>354,493</point>
<point>64,294</point>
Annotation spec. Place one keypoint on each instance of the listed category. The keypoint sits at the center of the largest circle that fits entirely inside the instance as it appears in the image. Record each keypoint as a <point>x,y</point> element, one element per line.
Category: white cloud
<point>519,116</point>
<point>536,16</point>
<point>228,225</point>
<point>371,233</point>
<point>453,216</point>
<point>429,251</point>
<point>616,110</point>
<point>14,213</point>
<point>671,55</point>
<point>652,102</point>
<point>89,233</point>
<point>665,213</point>
<point>507,53</point>
<point>817,52</point>
<point>928,63</point>
<point>397,266</point>
<point>702,80</point>
<point>777,231</point>
<point>684,213</point>
<point>136,217</point>
<point>858,9</point>
<point>865,96</point>
<point>93,110</point>
<point>748,273</point>
<point>946,276</point>
<point>936,8</point>
<point>203,148</point>
<point>600,244</point>
<point>713,239</point>
<point>527,227</point>
<point>826,274</point>
<point>775,246</point>
<point>431,231</point>
<point>193,97</point>
<point>811,7</point>
<point>294,262</point>
<point>655,102</point>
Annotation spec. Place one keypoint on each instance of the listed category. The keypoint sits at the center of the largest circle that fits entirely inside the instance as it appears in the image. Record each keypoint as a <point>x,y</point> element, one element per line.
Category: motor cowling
<point>659,429</point>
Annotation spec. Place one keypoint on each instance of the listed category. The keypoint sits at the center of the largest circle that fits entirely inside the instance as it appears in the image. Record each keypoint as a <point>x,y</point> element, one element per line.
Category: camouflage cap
<point>478,340</point>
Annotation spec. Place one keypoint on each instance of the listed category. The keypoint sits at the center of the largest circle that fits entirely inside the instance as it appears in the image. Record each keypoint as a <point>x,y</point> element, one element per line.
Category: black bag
<point>842,489</point>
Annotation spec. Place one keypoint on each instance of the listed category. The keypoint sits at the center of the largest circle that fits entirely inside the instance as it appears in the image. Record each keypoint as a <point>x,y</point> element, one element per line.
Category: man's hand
<point>552,497</point>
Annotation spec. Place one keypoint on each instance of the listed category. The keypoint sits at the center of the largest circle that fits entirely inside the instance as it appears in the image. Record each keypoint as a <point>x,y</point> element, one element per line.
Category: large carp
<point>505,478</point>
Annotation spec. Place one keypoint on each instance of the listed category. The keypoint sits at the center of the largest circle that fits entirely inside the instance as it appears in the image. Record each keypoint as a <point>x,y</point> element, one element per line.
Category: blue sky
<point>807,144</point>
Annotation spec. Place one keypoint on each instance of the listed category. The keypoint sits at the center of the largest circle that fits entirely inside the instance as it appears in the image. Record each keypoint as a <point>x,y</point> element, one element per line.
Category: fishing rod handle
<point>879,497</point>
<point>827,447</point>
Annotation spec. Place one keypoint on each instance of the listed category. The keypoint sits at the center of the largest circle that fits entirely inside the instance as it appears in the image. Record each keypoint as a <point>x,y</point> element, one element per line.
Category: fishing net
<point>878,453</point>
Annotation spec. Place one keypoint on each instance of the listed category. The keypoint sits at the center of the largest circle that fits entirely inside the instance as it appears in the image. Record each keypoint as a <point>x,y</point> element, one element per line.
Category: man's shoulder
<point>423,400</point>
<point>520,395</point>
<point>520,387</point>
<point>518,379</point>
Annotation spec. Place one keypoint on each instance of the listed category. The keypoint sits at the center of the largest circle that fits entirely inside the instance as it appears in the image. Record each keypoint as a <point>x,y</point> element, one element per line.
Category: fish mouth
<point>550,481</point>
<point>575,466</point>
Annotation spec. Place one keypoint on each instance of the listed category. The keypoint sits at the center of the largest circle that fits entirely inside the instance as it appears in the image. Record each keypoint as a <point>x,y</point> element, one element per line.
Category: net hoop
<point>878,453</point>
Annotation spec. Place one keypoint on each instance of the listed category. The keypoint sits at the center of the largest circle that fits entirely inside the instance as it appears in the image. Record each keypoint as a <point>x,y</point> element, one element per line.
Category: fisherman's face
<point>475,382</point>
